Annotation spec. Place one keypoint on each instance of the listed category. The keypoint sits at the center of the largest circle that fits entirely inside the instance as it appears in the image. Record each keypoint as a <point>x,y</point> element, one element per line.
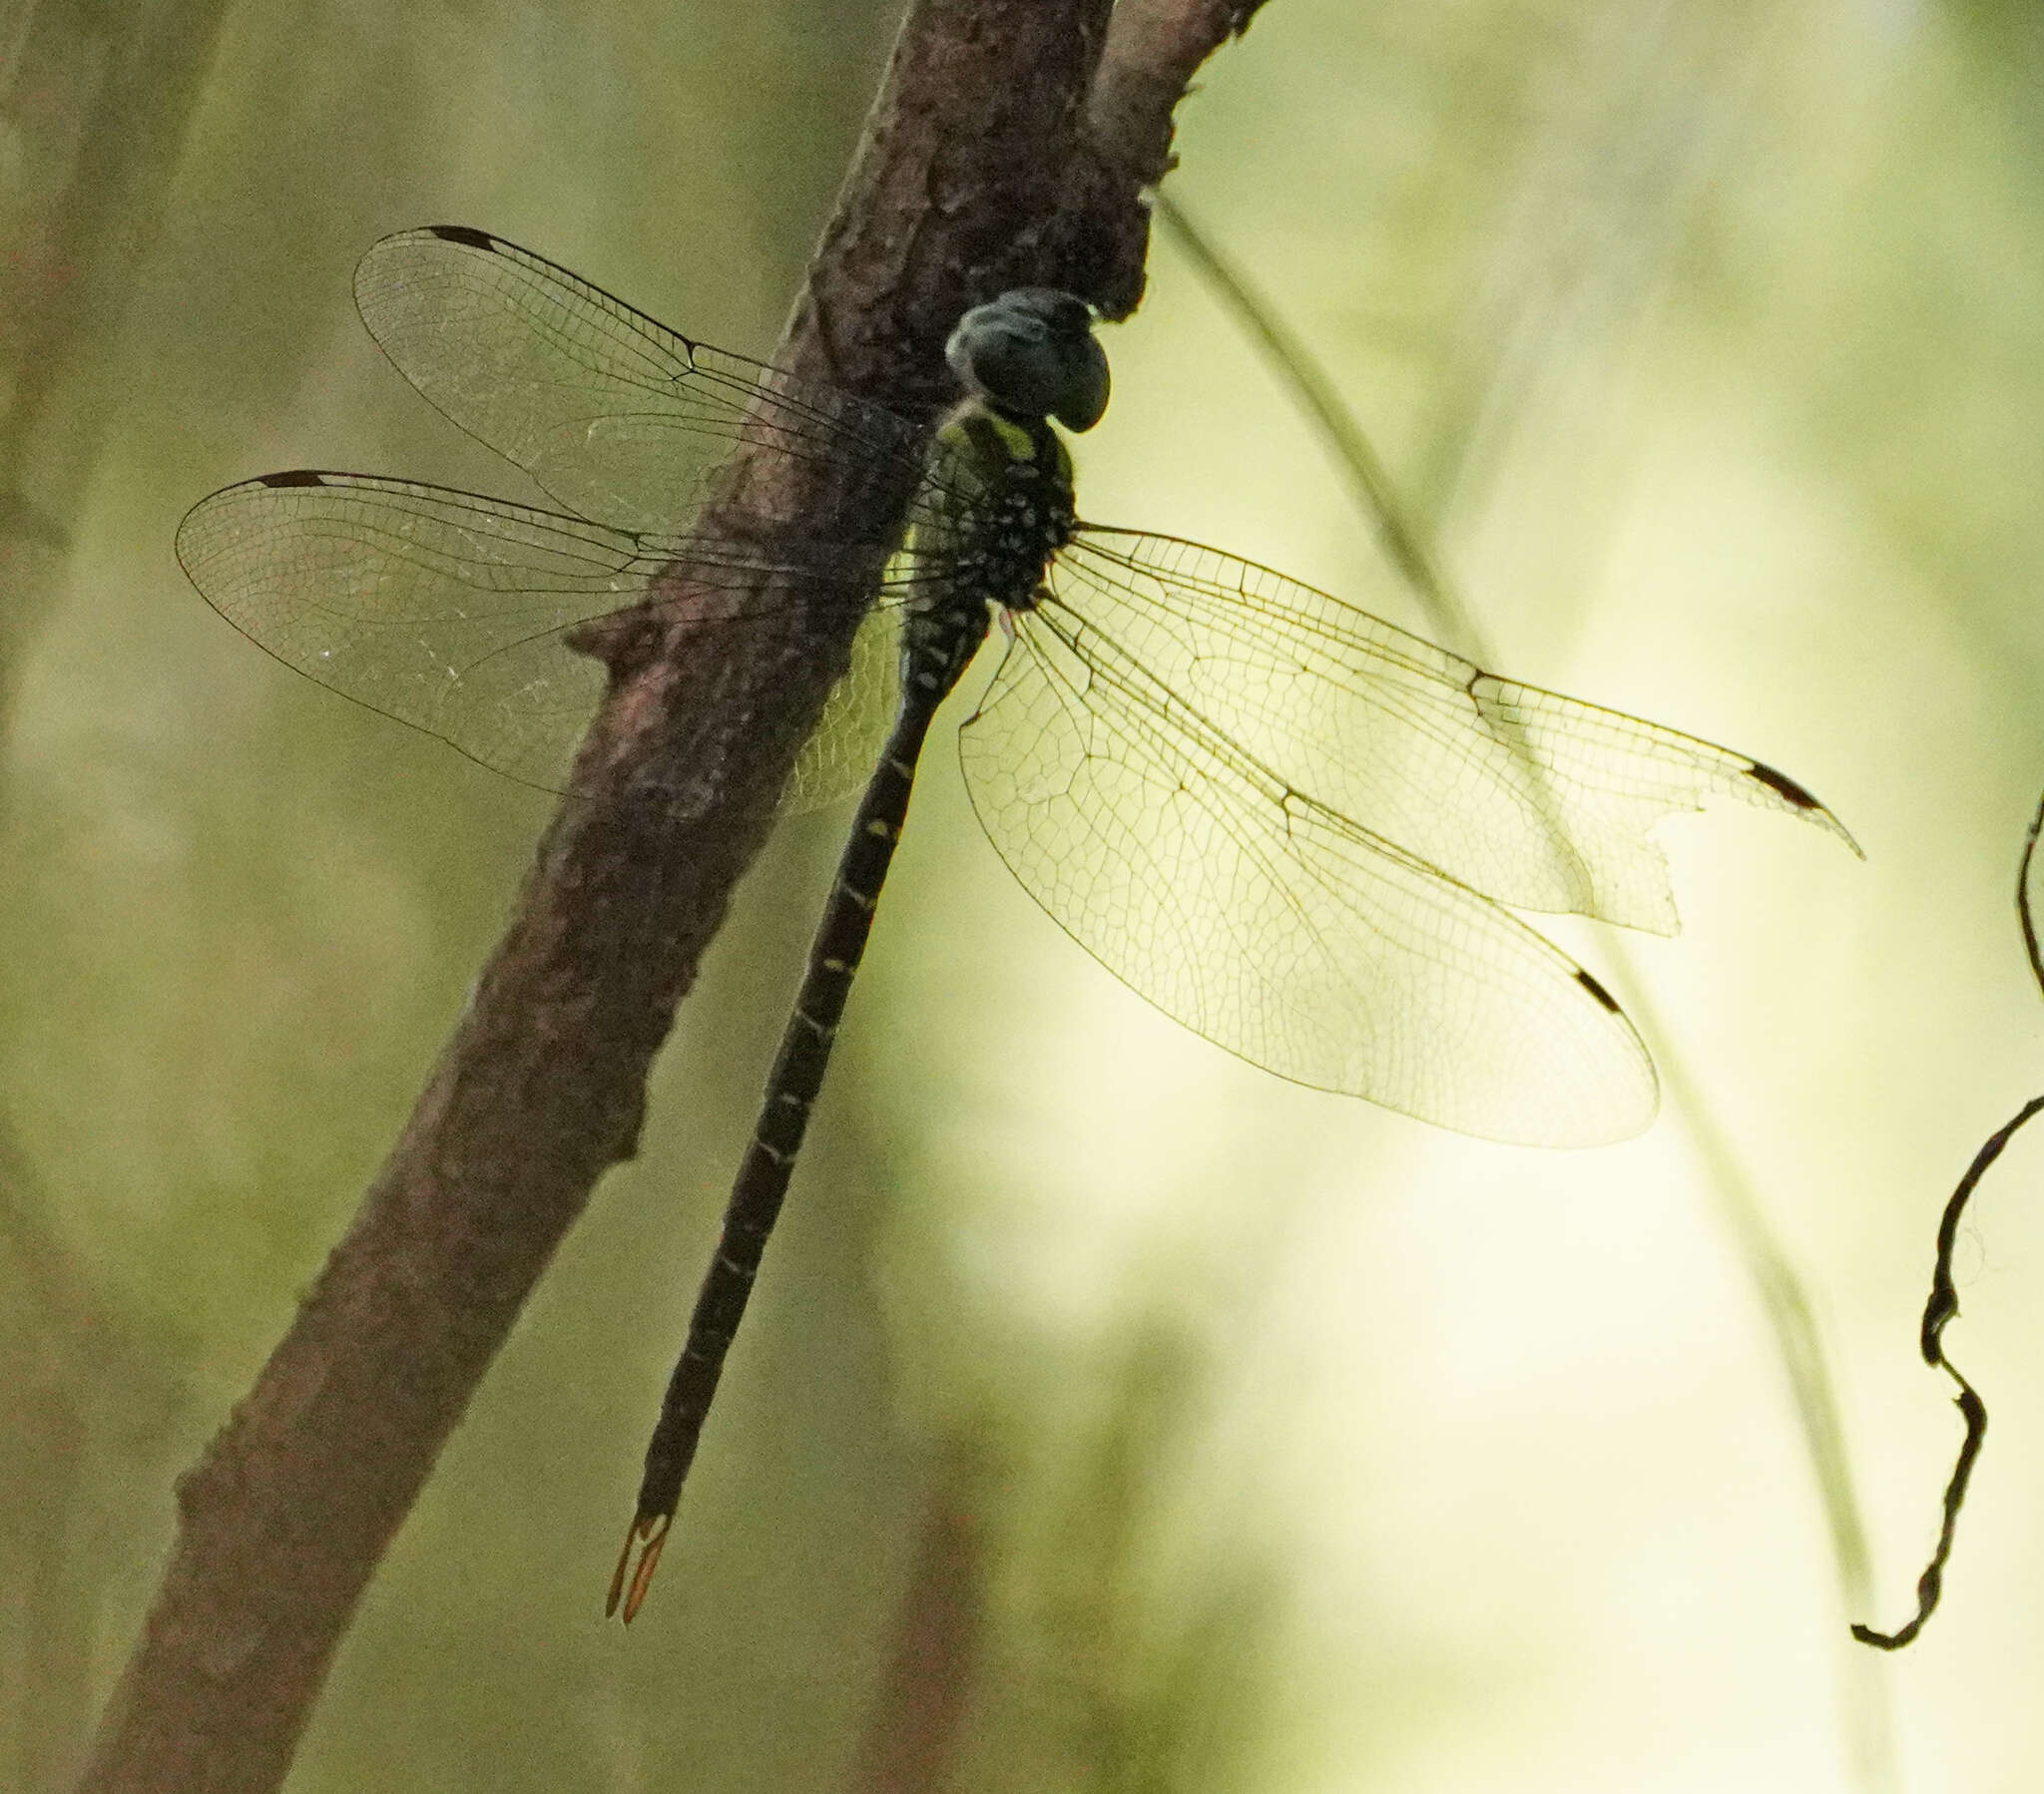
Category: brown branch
<point>1154,50</point>
<point>926,1689</point>
<point>963,185</point>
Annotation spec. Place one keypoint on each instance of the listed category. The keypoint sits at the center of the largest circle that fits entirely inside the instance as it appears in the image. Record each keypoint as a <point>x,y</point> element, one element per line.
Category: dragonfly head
<point>1032,353</point>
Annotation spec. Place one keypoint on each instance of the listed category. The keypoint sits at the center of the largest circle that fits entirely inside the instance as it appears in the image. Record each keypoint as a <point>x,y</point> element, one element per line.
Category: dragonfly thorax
<point>1006,510</point>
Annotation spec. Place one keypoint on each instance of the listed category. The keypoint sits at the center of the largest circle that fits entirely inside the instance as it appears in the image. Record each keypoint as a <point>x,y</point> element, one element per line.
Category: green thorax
<point>1001,493</point>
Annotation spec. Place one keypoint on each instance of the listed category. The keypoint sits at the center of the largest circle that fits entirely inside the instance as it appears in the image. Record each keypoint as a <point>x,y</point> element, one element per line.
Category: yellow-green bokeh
<point>1310,1449</point>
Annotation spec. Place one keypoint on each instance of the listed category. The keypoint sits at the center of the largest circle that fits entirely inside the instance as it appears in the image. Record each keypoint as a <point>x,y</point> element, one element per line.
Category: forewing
<point>1535,799</point>
<point>616,416</point>
<point>451,612</point>
<point>1275,926</point>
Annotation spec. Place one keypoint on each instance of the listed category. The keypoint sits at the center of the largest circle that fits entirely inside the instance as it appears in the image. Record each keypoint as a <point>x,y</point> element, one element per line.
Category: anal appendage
<point>647,1533</point>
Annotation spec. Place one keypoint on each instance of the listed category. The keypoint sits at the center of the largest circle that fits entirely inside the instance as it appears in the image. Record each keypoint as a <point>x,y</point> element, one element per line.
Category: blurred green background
<point>1243,1438</point>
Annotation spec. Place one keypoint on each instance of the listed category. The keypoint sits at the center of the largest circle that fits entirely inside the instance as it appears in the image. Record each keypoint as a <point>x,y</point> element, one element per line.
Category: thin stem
<point>1782,1295</point>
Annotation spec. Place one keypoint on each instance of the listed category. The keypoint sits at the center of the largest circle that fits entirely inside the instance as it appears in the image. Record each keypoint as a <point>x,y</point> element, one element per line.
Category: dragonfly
<point>1294,827</point>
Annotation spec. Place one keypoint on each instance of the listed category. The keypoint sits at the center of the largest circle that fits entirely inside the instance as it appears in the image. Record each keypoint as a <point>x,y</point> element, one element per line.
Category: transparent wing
<point>616,416</point>
<point>453,612</point>
<point>839,757</point>
<point>1276,927</point>
<point>1535,799</point>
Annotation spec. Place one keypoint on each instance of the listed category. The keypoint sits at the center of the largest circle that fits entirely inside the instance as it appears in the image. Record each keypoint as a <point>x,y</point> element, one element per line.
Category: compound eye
<point>1032,353</point>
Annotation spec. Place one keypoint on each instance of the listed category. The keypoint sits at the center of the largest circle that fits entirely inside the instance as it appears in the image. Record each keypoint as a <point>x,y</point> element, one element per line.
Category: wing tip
<point>1782,786</point>
<point>1801,800</point>
<point>467,236</point>
<point>369,270</point>
<point>193,525</point>
<point>1597,989</point>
